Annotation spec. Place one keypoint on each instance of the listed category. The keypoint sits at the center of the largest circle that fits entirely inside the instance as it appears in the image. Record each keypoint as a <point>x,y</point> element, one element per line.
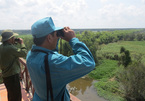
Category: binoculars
<point>17,39</point>
<point>60,33</point>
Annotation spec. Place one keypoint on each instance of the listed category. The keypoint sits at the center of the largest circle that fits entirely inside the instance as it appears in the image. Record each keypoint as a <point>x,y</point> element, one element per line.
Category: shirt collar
<point>41,48</point>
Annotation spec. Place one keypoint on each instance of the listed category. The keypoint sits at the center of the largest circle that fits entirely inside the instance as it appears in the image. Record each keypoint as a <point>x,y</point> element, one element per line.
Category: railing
<point>26,81</point>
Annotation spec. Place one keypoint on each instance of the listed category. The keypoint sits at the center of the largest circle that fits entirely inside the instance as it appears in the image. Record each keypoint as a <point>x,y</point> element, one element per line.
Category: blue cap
<point>43,27</point>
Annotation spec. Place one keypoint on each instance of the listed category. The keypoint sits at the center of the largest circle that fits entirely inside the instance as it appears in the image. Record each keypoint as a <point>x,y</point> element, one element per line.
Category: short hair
<point>39,41</point>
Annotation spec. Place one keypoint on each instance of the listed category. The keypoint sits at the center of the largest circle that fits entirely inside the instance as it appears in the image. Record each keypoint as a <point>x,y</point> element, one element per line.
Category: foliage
<point>28,41</point>
<point>107,86</point>
<point>112,50</point>
<point>109,90</point>
<point>125,57</point>
<point>135,47</point>
<point>106,37</point>
<point>132,81</point>
<point>106,69</point>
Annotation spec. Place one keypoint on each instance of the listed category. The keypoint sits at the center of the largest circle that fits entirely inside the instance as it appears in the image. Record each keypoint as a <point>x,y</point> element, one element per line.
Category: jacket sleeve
<point>75,66</point>
<point>19,52</point>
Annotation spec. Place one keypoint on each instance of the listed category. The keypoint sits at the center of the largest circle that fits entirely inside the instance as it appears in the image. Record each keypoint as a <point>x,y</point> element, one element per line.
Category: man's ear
<point>49,38</point>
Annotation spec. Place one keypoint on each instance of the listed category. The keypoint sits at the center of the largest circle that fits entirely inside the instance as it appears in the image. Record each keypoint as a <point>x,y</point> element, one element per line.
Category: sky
<point>21,14</point>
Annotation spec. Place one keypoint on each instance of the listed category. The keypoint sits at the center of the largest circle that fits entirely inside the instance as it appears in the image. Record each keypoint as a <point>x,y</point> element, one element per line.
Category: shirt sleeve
<point>75,66</point>
<point>19,52</point>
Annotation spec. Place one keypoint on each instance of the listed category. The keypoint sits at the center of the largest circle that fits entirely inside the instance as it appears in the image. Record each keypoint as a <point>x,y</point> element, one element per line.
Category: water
<point>83,89</point>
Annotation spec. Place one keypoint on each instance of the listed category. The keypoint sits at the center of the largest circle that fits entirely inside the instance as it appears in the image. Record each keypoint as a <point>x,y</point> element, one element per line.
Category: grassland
<point>132,46</point>
<point>107,86</point>
<point>107,70</point>
<point>112,49</point>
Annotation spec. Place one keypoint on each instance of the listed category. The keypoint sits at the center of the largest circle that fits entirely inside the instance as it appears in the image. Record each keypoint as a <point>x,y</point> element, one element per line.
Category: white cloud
<point>21,14</point>
<point>104,1</point>
<point>121,15</point>
<point>28,11</point>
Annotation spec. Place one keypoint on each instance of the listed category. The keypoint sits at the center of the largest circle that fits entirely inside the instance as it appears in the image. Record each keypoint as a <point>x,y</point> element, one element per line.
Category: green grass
<point>107,86</point>
<point>106,69</point>
<point>132,46</point>
<point>111,50</point>
<point>109,90</point>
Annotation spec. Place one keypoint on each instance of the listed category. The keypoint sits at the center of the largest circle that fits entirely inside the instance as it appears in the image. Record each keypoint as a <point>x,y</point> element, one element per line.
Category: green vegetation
<point>132,81</point>
<point>128,81</point>
<point>27,40</point>
<point>135,48</point>
<point>106,69</point>
<point>107,86</point>
<point>109,90</point>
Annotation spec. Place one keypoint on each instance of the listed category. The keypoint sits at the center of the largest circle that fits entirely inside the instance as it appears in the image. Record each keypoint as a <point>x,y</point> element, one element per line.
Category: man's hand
<point>68,34</point>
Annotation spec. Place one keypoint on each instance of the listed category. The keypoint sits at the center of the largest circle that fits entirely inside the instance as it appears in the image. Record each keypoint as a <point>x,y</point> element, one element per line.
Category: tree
<point>125,57</point>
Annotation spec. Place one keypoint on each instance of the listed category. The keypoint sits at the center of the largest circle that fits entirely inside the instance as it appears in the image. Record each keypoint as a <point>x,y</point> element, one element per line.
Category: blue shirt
<point>63,69</point>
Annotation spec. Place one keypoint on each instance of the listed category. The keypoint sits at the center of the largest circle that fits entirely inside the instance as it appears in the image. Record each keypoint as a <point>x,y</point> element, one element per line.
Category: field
<point>112,49</point>
<point>133,46</point>
<point>107,70</point>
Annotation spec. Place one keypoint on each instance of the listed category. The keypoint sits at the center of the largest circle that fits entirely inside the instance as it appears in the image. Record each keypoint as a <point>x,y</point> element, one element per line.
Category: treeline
<point>106,37</point>
<point>21,32</point>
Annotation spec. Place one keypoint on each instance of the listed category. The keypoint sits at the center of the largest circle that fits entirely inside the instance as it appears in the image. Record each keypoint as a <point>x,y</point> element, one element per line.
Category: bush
<point>125,57</point>
<point>132,80</point>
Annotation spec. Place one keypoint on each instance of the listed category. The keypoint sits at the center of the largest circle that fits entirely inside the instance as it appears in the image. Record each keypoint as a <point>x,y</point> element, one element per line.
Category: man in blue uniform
<point>63,69</point>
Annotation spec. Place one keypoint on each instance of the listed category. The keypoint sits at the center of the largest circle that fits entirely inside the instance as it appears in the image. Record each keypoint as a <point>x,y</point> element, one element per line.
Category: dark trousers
<point>13,87</point>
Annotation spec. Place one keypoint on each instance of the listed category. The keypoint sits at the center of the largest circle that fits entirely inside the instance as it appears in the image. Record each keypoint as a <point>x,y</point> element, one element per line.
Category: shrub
<point>132,80</point>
